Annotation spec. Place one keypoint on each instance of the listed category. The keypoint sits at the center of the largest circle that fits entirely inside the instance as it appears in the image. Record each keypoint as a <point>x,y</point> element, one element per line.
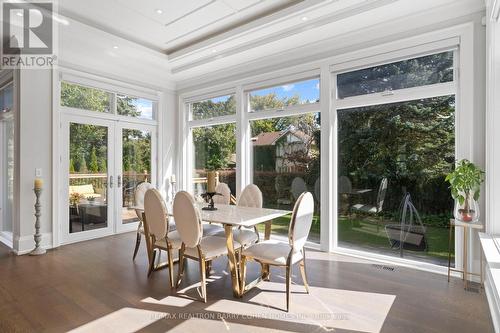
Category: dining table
<point>231,216</point>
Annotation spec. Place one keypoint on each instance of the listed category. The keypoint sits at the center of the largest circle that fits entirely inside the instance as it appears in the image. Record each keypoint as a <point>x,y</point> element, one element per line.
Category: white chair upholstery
<point>156,230</point>
<point>285,254</point>
<point>212,229</point>
<point>251,196</point>
<point>194,245</point>
<point>225,197</point>
<point>298,187</point>
<point>139,193</point>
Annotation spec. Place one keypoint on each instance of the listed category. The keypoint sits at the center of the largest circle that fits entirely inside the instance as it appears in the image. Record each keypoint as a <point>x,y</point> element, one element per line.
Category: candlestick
<point>38,213</point>
<point>38,183</point>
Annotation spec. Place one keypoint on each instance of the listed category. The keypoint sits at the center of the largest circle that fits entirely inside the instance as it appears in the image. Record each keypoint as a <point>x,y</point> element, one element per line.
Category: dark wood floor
<point>94,286</point>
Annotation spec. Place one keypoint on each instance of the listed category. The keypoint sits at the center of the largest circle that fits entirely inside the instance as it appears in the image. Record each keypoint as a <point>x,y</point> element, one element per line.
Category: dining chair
<point>139,193</point>
<point>194,245</point>
<point>284,254</point>
<point>251,196</point>
<point>225,194</point>
<point>298,187</point>
<point>156,227</point>
<point>377,207</point>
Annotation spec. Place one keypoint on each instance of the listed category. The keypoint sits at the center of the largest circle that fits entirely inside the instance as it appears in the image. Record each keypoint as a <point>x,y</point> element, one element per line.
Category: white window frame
<point>410,47</point>
<point>63,74</point>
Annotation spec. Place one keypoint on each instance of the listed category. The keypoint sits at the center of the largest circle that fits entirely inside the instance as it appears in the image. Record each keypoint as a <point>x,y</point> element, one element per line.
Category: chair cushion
<point>272,252</point>
<point>211,246</point>
<point>243,236</point>
<point>364,208</point>
<point>173,237</point>
<point>211,229</point>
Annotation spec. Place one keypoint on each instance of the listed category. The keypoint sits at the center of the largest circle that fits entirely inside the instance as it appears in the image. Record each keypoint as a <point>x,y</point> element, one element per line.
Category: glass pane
<point>6,99</point>
<point>279,97</point>
<point>88,165</point>
<point>436,68</point>
<point>86,98</point>
<point>286,162</point>
<point>384,153</point>
<point>214,149</point>
<point>134,107</point>
<point>7,174</point>
<point>214,107</point>
<point>136,166</point>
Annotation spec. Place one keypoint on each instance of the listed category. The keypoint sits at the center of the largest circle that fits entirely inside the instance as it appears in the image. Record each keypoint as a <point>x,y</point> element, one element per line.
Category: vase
<point>468,211</point>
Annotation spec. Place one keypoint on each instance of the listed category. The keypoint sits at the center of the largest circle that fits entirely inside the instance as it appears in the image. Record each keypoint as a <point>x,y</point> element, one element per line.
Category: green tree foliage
<point>93,165</point>
<point>86,98</point>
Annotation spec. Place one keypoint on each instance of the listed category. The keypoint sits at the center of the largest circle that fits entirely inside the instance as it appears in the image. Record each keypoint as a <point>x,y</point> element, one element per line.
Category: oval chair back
<point>298,187</point>
<point>187,219</point>
<point>301,221</point>
<point>251,196</point>
<point>382,190</point>
<point>156,214</point>
<point>225,198</point>
<point>139,193</point>
<point>345,185</point>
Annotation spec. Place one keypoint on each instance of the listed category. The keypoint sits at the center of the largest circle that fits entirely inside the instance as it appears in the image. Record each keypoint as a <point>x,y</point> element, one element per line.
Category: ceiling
<point>169,26</point>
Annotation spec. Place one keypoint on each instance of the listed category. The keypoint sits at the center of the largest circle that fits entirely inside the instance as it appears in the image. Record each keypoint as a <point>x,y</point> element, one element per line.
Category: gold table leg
<point>266,275</point>
<point>232,259</point>
<point>449,252</point>
<point>465,258</point>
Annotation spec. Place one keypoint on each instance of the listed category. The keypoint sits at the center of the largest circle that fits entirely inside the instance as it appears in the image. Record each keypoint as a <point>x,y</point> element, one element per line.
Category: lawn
<point>362,232</point>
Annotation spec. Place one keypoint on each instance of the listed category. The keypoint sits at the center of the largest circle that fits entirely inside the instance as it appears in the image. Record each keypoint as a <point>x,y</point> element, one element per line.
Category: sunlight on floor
<point>124,320</point>
<point>327,308</point>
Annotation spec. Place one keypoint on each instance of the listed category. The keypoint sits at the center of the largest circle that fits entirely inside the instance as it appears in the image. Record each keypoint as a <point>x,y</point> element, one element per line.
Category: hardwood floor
<point>94,286</point>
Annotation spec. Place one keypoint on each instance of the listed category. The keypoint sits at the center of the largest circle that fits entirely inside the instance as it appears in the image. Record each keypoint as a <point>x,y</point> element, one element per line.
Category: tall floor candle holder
<point>38,236</point>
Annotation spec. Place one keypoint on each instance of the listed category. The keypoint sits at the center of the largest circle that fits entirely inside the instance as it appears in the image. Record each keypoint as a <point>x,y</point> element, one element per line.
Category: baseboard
<point>6,238</point>
<point>25,244</point>
<point>493,300</point>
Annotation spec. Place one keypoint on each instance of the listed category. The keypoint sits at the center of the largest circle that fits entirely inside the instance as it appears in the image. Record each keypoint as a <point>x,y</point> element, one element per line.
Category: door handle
<point>119,181</point>
<point>111,181</point>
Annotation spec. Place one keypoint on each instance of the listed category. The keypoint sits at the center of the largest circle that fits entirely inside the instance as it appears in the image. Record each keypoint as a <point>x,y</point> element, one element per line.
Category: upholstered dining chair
<point>376,208</point>
<point>139,193</point>
<point>225,194</point>
<point>284,254</point>
<point>194,245</point>
<point>251,196</point>
<point>156,229</point>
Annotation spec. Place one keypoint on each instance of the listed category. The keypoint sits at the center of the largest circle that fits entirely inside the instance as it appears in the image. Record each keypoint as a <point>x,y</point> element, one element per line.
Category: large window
<point>213,146</point>
<point>99,100</point>
<point>392,161</point>
<point>7,126</point>
<point>285,150</point>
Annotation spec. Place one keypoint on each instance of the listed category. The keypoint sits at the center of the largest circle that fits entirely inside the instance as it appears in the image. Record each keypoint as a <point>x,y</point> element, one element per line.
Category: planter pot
<point>467,212</point>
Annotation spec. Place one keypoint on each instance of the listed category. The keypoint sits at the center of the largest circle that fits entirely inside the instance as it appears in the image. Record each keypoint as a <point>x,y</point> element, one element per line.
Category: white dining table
<point>236,216</point>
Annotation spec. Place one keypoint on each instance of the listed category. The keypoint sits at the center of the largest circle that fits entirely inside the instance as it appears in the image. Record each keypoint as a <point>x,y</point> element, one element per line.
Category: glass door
<point>90,180</point>
<point>136,164</point>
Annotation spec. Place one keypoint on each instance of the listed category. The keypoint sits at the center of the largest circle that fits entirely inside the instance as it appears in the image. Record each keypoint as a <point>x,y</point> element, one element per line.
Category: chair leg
<point>180,270</point>
<point>302,266</point>
<point>137,243</point>
<point>288,282</point>
<point>152,263</point>
<point>208,266</point>
<point>203,276</point>
<point>170,267</point>
<point>243,274</point>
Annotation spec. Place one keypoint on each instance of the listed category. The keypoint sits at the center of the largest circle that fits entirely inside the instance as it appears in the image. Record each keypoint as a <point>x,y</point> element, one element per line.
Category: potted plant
<point>465,182</point>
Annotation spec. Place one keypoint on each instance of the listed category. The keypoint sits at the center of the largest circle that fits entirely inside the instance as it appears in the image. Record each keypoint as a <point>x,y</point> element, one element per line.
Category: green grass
<point>362,232</point>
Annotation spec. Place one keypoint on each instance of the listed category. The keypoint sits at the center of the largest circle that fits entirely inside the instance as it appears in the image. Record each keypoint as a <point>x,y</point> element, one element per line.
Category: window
<point>134,107</point>
<point>214,149</point>
<point>214,107</point>
<point>6,98</point>
<point>280,97</point>
<point>86,98</point>
<point>214,146</point>
<point>99,100</point>
<point>394,154</point>
<point>431,69</point>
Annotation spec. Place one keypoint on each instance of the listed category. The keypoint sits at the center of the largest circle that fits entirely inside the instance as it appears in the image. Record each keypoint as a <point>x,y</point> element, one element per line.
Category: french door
<point>103,161</point>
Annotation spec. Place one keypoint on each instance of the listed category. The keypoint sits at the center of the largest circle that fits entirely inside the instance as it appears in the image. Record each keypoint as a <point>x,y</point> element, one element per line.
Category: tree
<point>93,165</point>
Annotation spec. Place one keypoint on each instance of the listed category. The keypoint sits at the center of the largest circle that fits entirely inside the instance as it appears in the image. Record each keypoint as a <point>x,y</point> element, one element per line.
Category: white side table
<point>467,227</point>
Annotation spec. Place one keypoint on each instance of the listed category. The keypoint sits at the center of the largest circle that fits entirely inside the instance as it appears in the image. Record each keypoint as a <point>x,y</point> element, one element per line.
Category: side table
<point>468,227</point>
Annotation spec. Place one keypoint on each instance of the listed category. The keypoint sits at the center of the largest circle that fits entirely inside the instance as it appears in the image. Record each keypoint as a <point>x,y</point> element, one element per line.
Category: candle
<point>173,179</point>
<point>211,181</point>
<point>38,183</point>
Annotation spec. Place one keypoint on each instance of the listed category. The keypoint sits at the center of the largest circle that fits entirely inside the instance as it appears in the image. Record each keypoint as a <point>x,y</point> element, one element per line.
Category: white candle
<point>173,179</point>
<point>211,181</point>
<point>38,183</point>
